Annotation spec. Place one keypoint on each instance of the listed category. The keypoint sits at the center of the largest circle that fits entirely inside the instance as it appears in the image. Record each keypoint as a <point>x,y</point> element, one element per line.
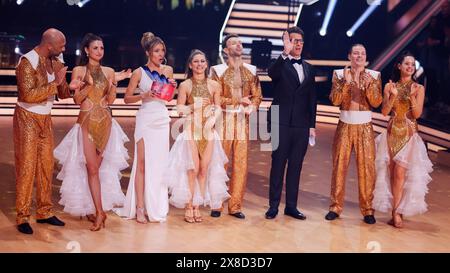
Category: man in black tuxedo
<point>295,100</point>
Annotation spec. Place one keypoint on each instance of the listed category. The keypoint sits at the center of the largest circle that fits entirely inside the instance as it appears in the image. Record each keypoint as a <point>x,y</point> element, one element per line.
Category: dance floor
<point>429,232</point>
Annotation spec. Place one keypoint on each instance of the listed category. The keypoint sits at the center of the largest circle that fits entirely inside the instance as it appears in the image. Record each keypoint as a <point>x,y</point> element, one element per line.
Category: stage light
<point>77,52</point>
<point>373,5</point>
<point>17,50</point>
<point>326,20</point>
<point>19,2</point>
<point>83,3</point>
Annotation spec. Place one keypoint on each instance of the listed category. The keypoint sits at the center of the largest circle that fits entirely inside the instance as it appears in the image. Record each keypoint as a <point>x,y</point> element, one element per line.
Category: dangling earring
<point>87,54</point>
<point>165,61</point>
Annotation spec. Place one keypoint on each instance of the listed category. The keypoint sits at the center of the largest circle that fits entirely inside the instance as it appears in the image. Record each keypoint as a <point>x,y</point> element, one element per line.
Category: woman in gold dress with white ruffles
<point>196,173</point>
<point>92,154</point>
<point>402,161</point>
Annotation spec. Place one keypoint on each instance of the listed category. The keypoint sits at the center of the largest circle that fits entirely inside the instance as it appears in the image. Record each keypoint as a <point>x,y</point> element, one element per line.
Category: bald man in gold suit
<point>40,76</point>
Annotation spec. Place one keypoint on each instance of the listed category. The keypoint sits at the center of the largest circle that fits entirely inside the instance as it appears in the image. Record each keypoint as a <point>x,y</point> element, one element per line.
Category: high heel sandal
<point>397,219</point>
<point>197,216</point>
<point>99,222</point>
<point>189,215</point>
<point>140,216</point>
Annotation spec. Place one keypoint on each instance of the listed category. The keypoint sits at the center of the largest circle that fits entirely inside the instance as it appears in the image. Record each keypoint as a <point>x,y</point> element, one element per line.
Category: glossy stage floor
<point>425,233</point>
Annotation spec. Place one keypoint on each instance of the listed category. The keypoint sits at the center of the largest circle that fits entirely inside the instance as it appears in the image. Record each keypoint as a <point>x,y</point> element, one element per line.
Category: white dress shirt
<point>298,67</point>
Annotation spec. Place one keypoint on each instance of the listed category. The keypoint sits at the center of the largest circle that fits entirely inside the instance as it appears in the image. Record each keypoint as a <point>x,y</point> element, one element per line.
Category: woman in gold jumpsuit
<point>196,161</point>
<point>402,162</point>
<point>92,154</point>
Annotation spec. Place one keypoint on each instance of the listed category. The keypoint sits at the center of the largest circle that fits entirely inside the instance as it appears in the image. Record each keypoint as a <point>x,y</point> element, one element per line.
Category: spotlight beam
<point>363,17</point>
<point>326,20</point>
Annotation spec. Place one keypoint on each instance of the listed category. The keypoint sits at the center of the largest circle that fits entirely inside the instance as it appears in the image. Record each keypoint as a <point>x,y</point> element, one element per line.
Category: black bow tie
<point>299,61</point>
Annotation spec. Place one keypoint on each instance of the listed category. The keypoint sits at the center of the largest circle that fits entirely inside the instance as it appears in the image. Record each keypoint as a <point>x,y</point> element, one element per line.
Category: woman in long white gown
<point>196,173</point>
<point>92,154</point>
<point>147,192</point>
<point>402,161</point>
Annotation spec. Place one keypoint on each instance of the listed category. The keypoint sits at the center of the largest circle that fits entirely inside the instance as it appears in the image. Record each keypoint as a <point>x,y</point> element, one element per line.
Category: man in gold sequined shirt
<point>40,76</point>
<point>355,91</point>
<point>240,96</point>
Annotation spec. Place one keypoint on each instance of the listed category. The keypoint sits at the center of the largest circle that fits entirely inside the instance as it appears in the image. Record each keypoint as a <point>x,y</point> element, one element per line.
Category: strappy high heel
<point>99,222</point>
<point>397,219</point>
<point>197,216</point>
<point>189,214</point>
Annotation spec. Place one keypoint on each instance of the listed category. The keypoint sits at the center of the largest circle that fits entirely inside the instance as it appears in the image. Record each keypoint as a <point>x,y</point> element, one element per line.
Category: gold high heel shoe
<point>397,220</point>
<point>140,216</point>
<point>189,214</point>
<point>197,216</point>
<point>99,222</point>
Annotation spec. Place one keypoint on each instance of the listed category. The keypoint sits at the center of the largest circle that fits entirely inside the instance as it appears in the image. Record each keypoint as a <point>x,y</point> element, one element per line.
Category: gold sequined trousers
<point>235,145</point>
<point>33,149</point>
<point>359,137</point>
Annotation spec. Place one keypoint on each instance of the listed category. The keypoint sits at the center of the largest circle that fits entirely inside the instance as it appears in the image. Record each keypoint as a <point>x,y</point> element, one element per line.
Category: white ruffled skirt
<point>180,161</point>
<point>75,193</point>
<point>413,156</point>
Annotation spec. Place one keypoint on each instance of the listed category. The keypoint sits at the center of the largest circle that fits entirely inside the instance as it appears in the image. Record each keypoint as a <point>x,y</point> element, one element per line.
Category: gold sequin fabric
<point>401,125</point>
<point>96,117</point>
<point>198,92</point>
<point>235,145</point>
<point>33,85</point>
<point>358,137</point>
<point>33,152</point>
<point>249,85</point>
<point>33,139</point>
<point>342,95</point>
<point>234,131</point>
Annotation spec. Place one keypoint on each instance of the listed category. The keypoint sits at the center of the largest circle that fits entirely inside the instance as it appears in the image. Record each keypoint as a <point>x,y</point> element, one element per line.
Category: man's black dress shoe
<point>25,228</point>
<point>370,219</point>
<point>215,213</point>
<point>52,221</point>
<point>294,213</point>
<point>271,213</point>
<point>331,215</point>
<point>239,215</point>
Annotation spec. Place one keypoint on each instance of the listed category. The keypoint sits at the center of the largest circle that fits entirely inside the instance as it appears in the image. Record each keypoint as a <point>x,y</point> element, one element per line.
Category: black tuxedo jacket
<point>296,101</point>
